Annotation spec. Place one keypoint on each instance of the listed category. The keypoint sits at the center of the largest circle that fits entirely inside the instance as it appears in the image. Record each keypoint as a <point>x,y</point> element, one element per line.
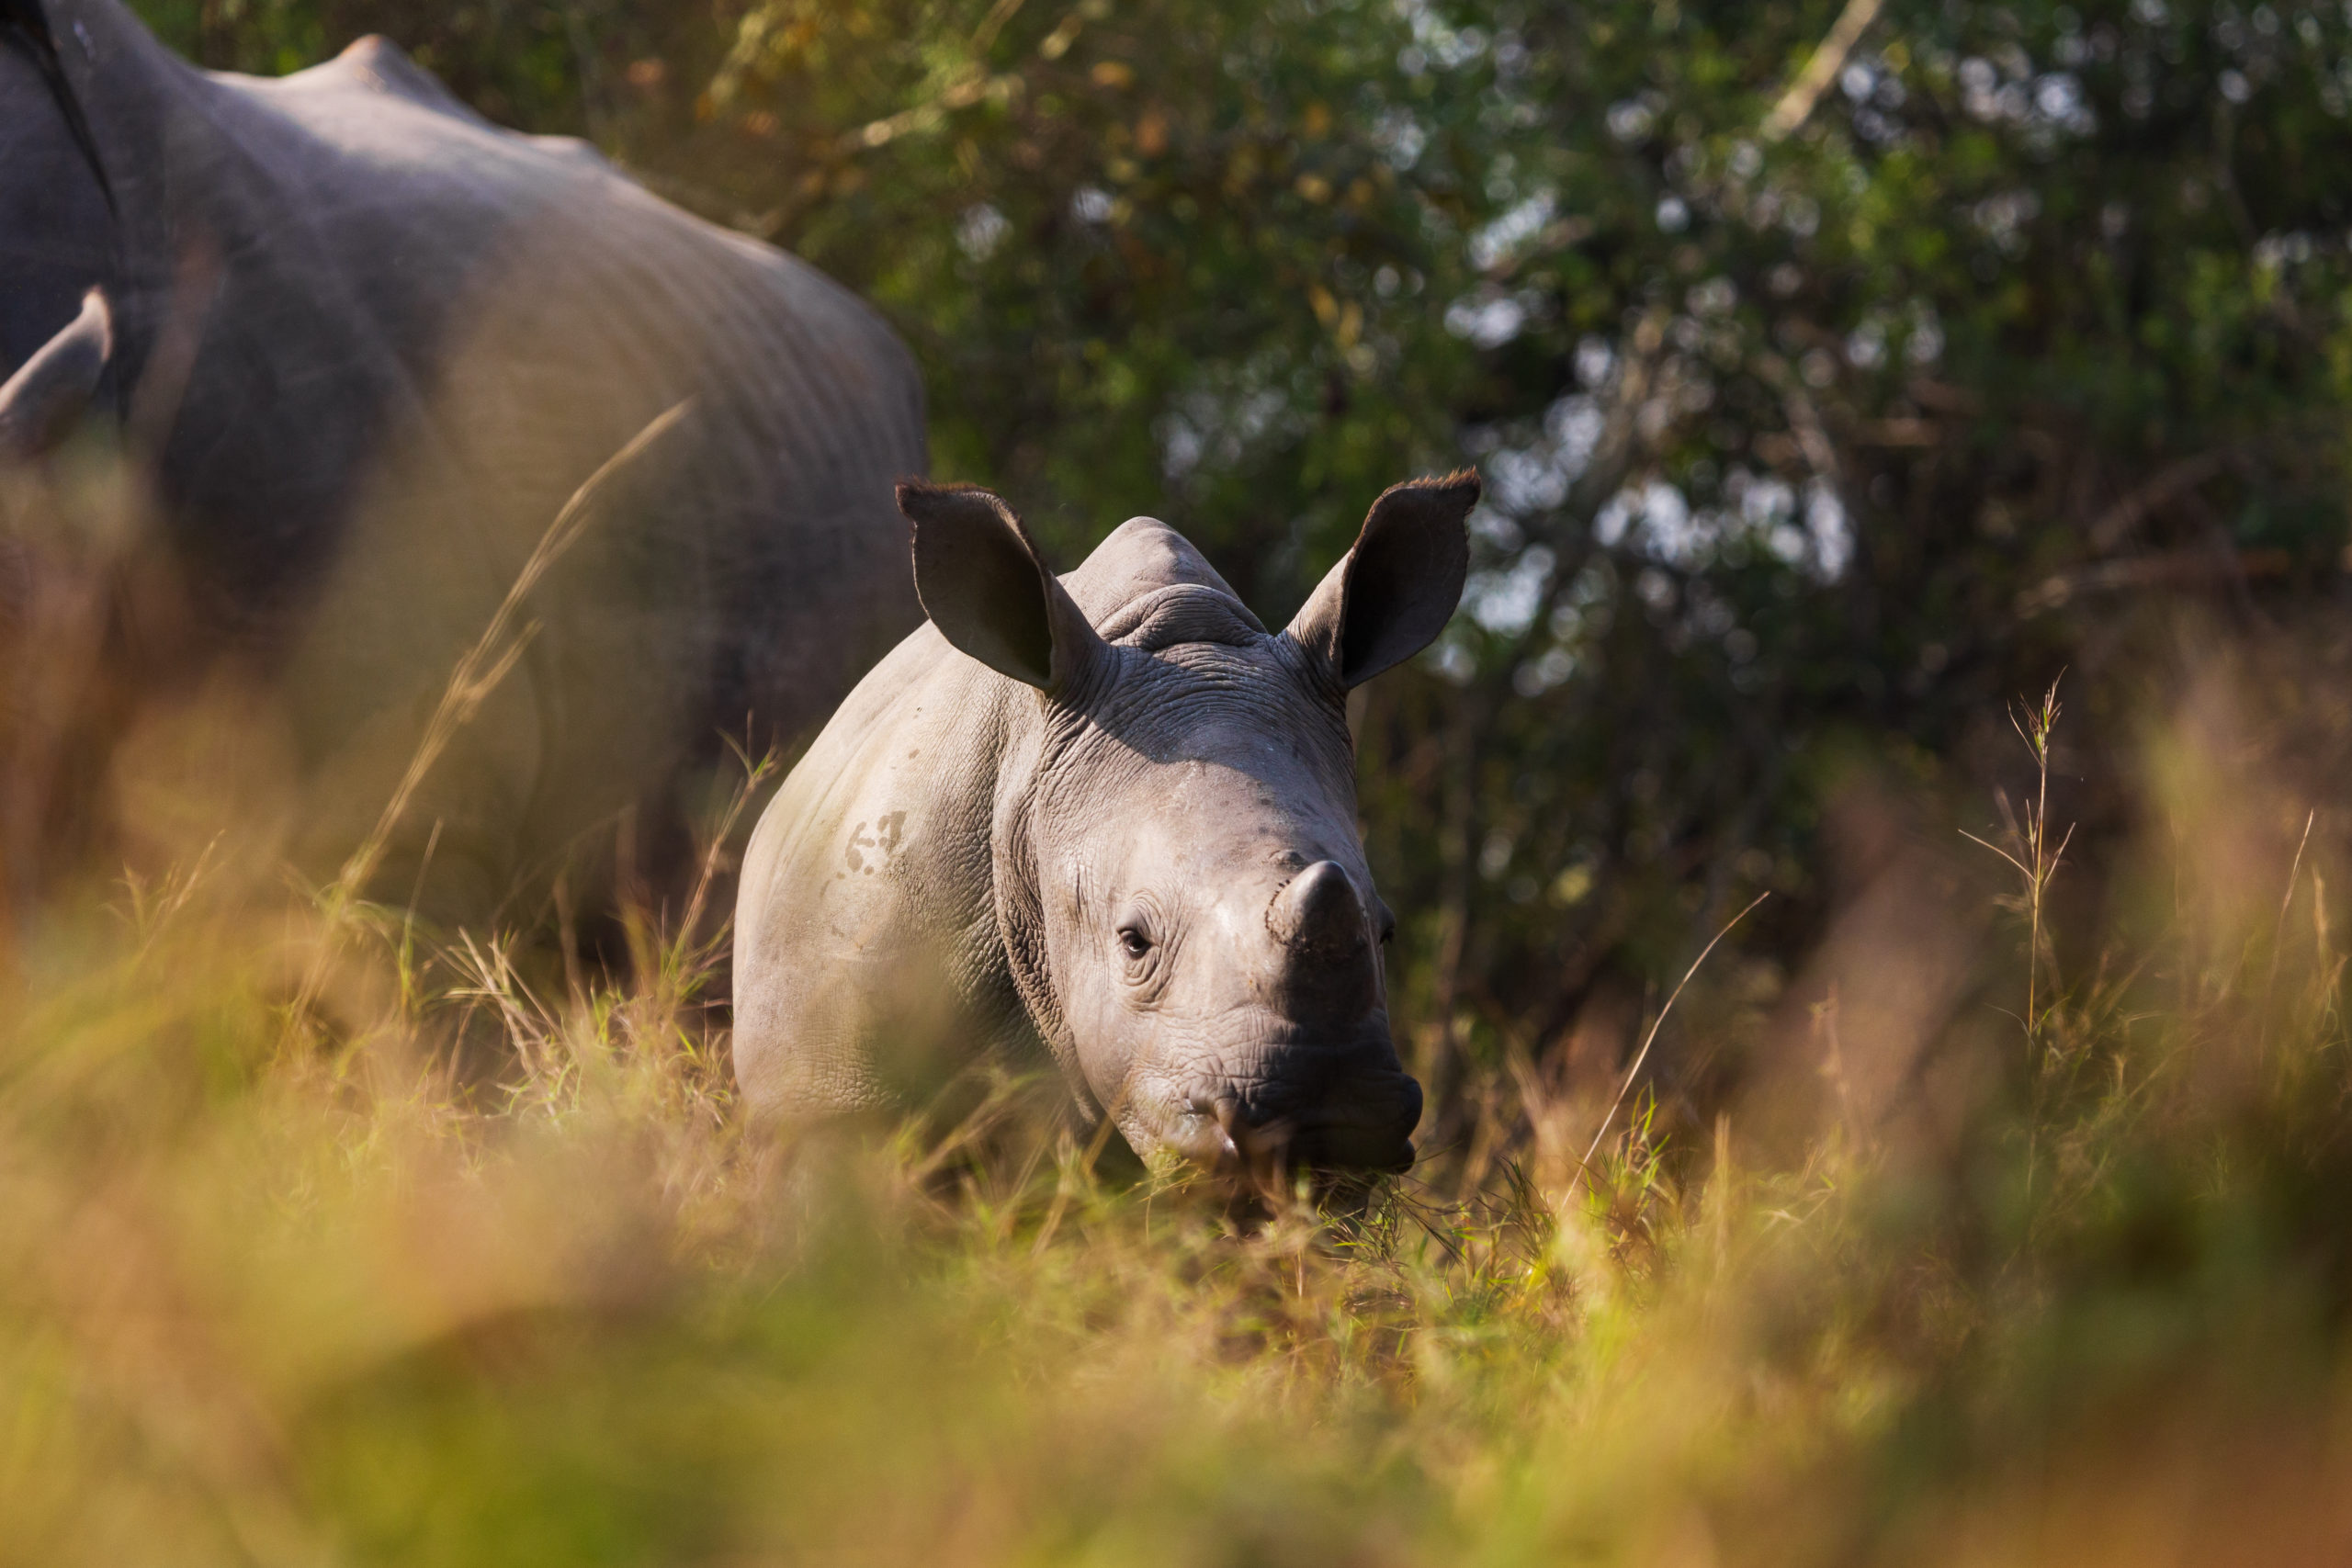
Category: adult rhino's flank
<point>360,346</point>
<point>1109,813</point>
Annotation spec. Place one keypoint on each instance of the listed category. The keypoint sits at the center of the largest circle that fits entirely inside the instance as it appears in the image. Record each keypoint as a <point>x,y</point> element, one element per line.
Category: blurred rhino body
<point>361,346</point>
<point>1110,814</point>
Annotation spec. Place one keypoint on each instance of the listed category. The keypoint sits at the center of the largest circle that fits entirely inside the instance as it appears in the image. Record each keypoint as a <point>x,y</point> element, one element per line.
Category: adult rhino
<point>1109,816</point>
<point>361,345</point>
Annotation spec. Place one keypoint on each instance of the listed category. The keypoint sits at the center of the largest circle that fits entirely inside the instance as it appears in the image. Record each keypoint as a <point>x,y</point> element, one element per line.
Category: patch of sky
<point>2274,253</point>
<point>2005,89</point>
<point>2003,216</point>
<point>1506,238</point>
<point>1574,425</point>
<point>1512,55</point>
<point>1866,345</point>
<point>1180,446</point>
<point>1505,602</point>
<point>1657,519</point>
<point>1527,480</point>
<point>1214,427</point>
<point>1630,120</point>
<point>1828,531</point>
<point>1498,531</point>
<point>1539,675</point>
<point>1528,472</point>
<point>981,230</point>
<point>1399,139</point>
<point>1435,41</point>
<point>1488,316</point>
<point>1767,506</point>
<point>1924,343</point>
<point>1594,360</point>
<point>1715,297</point>
<point>1451,659</point>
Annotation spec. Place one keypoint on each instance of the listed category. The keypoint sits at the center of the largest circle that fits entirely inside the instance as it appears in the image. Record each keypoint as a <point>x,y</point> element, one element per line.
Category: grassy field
<point>279,1286</point>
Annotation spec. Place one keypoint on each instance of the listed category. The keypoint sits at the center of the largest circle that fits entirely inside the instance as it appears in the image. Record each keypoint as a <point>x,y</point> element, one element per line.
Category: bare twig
<point>2117,522</point>
<point>2169,569</point>
<point>991,24</point>
<point>1796,104</point>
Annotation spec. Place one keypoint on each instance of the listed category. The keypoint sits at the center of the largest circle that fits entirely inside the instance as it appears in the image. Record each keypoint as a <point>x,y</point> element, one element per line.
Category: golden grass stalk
<point>2037,863</point>
<point>477,673</point>
<point>1585,1165</point>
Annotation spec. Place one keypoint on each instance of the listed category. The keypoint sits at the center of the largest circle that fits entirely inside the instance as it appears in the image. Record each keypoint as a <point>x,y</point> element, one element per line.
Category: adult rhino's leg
<point>406,811</point>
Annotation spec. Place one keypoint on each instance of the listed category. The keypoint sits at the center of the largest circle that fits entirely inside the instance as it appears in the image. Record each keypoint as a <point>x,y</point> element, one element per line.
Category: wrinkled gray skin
<point>1110,814</point>
<point>365,344</point>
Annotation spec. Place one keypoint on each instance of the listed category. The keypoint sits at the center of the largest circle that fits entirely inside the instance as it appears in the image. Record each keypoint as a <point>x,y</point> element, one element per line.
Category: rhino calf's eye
<point>1133,942</point>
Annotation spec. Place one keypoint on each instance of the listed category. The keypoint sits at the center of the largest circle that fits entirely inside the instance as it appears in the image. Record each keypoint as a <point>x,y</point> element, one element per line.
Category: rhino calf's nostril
<point>1226,1114</point>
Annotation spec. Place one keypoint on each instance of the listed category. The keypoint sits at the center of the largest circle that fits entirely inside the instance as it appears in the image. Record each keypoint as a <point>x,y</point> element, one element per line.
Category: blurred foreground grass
<point>278,1285</point>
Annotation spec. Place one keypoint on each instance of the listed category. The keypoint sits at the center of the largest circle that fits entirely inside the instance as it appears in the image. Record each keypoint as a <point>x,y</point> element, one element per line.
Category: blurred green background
<point>1816,425</point>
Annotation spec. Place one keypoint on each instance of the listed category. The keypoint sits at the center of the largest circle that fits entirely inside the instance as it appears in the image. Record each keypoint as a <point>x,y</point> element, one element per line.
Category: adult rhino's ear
<point>988,592</point>
<point>39,405</point>
<point>1393,593</point>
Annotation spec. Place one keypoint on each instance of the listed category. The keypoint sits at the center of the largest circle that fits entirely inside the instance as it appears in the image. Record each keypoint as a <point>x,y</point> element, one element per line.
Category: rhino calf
<point>1110,814</point>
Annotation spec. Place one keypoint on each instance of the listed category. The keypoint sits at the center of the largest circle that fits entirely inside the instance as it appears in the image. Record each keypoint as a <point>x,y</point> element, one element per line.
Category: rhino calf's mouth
<point>1122,831</point>
<point>1231,1137</point>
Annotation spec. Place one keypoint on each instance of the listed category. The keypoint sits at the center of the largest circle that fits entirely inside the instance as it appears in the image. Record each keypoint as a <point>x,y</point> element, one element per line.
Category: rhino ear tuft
<point>1393,593</point>
<point>39,405</point>
<point>989,591</point>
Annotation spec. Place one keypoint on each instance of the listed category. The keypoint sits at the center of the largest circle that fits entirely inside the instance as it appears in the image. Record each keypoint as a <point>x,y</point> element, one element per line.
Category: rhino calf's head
<point>1185,906</point>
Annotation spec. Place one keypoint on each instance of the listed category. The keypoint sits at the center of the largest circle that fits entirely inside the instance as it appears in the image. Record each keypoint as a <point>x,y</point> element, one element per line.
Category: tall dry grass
<point>291,1287</point>
<point>326,1236</point>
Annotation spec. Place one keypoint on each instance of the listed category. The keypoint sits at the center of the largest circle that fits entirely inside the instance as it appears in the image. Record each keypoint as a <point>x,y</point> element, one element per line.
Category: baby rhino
<point>1109,813</point>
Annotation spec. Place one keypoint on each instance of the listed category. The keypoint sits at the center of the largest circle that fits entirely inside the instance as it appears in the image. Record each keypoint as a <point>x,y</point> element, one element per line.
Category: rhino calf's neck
<point>1109,814</point>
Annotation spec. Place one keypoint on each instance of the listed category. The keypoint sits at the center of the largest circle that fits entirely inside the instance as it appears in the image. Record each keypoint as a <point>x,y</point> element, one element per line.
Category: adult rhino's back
<point>420,335</point>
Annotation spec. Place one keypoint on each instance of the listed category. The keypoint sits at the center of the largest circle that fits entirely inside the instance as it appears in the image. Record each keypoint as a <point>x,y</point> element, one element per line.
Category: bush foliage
<point>1830,387</point>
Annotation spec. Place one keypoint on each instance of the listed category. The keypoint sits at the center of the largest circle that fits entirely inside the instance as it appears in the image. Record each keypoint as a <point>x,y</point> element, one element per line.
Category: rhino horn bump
<point>1318,910</point>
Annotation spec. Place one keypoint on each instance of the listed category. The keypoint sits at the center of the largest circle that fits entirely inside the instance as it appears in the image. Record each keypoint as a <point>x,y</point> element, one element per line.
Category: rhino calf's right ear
<point>989,591</point>
<point>1393,593</point>
<point>49,392</point>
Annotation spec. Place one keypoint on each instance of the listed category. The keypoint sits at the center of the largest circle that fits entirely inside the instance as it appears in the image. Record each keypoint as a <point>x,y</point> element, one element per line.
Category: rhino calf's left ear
<point>41,404</point>
<point>1393,593</point>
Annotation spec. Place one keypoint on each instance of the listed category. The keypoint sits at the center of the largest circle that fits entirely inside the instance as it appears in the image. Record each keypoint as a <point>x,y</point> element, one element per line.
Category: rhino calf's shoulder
<point>1110,814</point>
